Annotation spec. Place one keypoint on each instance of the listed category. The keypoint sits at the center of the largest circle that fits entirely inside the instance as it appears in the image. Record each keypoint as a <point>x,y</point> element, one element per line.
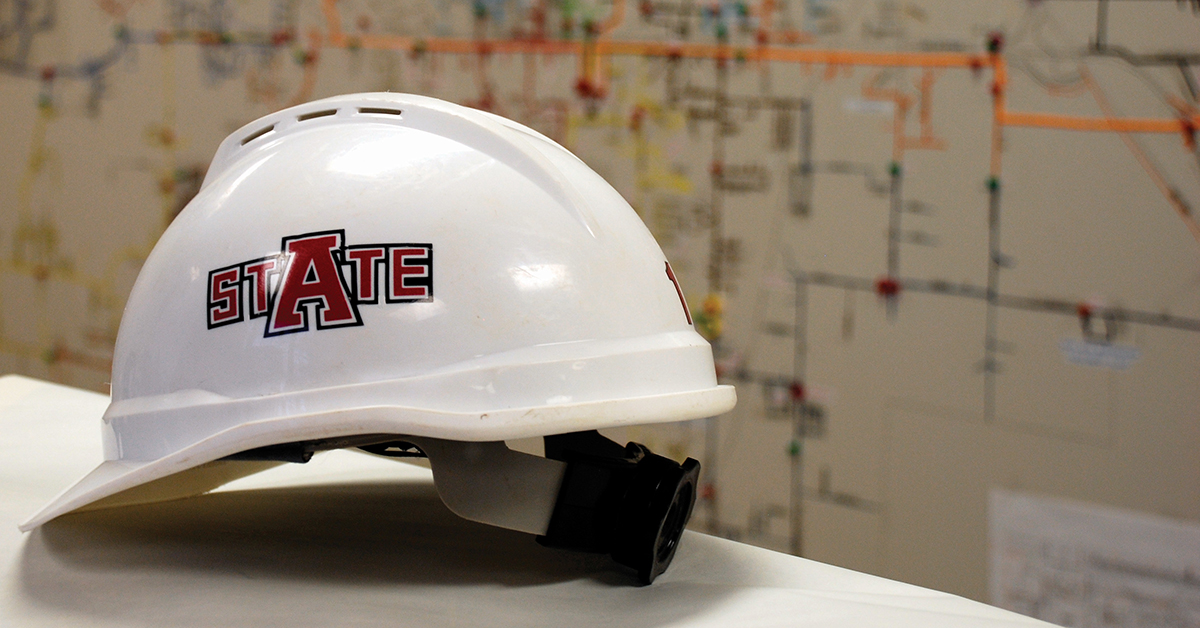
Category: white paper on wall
<point>1080,564</point>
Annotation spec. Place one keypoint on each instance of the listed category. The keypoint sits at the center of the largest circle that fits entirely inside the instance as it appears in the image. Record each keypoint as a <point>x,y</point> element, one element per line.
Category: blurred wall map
<point>941,247</point>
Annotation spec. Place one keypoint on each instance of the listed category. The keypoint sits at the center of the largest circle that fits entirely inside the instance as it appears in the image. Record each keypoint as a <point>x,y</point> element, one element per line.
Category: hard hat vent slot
<point>257,134</point>
<point>387,111</point>
<point>316,114</point>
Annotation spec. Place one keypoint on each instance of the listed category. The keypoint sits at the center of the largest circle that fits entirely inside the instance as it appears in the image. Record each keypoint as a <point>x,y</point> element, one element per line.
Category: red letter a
<point>311,276</point>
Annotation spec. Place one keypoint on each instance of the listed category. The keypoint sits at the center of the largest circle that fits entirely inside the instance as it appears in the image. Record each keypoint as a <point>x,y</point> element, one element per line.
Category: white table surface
<point>349,540</point>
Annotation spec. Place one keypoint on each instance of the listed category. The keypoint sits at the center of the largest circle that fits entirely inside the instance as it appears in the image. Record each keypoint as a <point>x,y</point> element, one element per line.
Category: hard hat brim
<point>199,468</point>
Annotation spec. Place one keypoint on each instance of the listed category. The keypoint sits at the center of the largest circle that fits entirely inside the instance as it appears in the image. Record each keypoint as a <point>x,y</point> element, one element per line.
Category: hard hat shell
<point>392,264</point>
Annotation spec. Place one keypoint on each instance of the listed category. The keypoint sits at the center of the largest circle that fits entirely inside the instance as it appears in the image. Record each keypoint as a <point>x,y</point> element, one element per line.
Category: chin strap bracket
<point>624,501</point>
<point>588,493</point>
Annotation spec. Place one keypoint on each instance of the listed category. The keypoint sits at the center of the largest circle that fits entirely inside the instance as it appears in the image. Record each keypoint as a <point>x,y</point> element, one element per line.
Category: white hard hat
<point>401,274</point>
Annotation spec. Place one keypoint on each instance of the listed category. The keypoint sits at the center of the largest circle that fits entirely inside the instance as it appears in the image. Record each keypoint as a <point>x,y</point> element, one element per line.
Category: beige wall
<point>87,184</point>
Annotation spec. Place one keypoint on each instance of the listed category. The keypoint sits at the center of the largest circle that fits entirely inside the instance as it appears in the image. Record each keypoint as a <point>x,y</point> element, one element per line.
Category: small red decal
<point>679,291</point>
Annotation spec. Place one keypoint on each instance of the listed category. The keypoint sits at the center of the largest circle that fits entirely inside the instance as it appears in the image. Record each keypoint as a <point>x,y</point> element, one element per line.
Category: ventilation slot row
<point>312,115</point>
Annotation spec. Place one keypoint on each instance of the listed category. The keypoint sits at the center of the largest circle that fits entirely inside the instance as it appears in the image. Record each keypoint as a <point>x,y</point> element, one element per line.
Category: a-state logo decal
<point>316,275</point>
